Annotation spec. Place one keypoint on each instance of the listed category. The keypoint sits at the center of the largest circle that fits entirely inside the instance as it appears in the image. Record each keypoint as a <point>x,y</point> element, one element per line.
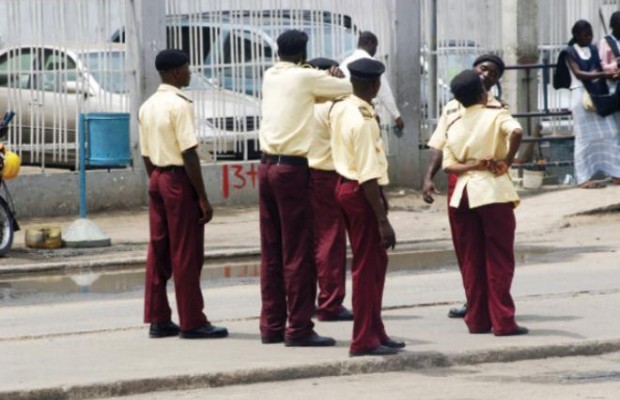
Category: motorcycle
<point>9,167</point>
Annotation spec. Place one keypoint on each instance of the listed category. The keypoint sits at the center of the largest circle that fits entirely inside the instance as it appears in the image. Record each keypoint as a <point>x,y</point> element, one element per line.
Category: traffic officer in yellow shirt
<point>330,240</point>
<point>178,205</point>
<point>490,68</point>
<point>288,273</point>
<point>480,147</point>
<point>359,158</point>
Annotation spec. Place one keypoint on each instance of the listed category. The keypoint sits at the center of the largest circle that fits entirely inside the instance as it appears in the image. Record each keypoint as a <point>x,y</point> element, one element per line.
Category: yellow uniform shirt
<point>357,148</point>
<point>166,121</point>
<point>320,154</point>
<point>289,94</point>
<point>480,133</point>
<point>451,111</point>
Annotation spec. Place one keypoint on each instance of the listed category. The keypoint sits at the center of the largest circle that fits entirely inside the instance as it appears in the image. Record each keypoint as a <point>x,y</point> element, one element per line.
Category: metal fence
<point>233,42</point>
<point>555,20</point>
<point>56,62</point>
<point>60,58</point>
<point>455,32</point>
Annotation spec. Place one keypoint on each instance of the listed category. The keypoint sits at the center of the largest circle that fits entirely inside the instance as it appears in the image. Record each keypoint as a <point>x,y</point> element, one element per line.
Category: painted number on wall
<point>237,177</point>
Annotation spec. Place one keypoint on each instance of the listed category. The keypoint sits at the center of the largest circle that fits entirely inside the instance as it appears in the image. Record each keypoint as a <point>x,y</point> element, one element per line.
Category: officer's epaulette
<point>336,100</point>
<point>184,98</point>
<point>365,112</point>
<point>452,108</point>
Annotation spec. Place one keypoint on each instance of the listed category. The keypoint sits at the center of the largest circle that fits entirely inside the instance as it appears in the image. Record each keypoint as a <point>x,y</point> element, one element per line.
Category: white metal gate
<point>56,62</point>
<point>232,43</point>
<point>61,58</point>
<point>465,29</point>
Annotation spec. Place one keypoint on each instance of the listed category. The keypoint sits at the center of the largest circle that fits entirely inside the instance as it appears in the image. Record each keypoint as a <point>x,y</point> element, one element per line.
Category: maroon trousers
<point>368,268</point>
<point>486,245</point>
<point>452,178</point>
<point>330,243</point>
<point>288,274</point>
<point>176,248</point>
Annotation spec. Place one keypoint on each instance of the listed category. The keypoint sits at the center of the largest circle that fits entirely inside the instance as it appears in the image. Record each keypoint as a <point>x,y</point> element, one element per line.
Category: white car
<point>49,86</point>
<point>235,49</point>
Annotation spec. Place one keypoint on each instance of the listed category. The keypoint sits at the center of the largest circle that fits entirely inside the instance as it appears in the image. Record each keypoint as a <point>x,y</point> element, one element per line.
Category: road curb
<point>366,365</point>
<point>113,263</point>
<point>130,260</point>
<point>244,262</point>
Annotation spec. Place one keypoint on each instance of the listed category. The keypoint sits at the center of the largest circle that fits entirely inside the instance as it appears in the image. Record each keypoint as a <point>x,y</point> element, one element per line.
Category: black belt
<point>170,168</point>
<point>286,160</point>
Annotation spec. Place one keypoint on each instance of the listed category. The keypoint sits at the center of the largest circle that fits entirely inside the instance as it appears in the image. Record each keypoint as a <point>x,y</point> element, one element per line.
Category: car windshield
<point>199,82</point>
<point>108,68</point>
<point>332,41</point>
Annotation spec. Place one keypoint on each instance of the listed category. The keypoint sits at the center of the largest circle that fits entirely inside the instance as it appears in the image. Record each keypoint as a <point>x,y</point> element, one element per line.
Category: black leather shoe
<point>207,331</point>
<point>272,339</point>
<point>344,315</point>
<point>377,351</point>
<point>165,329</point>
<point>458,312</point>
<point>393,344</point>
<point>314,340</point>
<point>520,330</point>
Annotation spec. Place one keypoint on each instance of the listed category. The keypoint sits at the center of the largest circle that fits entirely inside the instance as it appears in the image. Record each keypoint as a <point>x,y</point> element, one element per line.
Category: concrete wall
<point>56,194</point>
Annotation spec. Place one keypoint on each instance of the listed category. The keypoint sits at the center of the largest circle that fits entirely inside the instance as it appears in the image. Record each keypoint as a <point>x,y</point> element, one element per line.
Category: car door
<point>59,106</point>
<point>16,94</point>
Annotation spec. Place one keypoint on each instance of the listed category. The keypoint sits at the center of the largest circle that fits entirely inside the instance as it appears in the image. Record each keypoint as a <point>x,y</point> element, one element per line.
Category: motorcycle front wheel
<point>6,228</point>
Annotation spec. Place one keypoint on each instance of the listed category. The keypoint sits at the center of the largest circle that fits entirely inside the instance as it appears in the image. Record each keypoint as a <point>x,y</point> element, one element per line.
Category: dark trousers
<point>176,248</point>
<point>288,275</point>
<point>368,268</point>
<point>486,245</point>
<point>330,242</point>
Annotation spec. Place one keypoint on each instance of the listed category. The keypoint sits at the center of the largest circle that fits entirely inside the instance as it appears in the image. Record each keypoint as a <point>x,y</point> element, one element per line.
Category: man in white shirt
<point>367,48</point>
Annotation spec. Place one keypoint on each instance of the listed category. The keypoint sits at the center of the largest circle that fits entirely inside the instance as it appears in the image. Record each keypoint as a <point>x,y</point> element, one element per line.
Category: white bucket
<point>533,179</point>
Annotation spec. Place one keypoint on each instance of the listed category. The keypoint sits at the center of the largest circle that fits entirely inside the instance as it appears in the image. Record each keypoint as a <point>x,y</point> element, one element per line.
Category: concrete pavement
<point>114,361</point>
<point>567,283</point>
<point>234,230</point>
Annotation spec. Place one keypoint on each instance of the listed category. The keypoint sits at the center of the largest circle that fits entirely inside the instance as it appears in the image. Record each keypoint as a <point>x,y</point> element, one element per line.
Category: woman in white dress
<point>597,142</point>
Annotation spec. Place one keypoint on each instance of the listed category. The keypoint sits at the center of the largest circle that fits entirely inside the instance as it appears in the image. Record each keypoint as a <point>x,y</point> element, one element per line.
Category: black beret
<point>366,68</point>
<point>466,82</point>
<point>292,42</point>
<point>322,63</point>
<point>494,59</point>
<point>170,59</point>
